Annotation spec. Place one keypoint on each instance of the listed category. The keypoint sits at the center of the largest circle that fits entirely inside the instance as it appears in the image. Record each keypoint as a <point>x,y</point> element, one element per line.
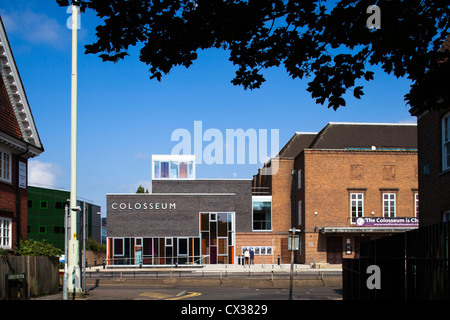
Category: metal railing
<point>273,272</point>
<point>155,261</point>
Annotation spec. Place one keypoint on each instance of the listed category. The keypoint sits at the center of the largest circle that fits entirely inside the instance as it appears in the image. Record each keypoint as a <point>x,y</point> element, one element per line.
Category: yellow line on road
<point>187,295</point>
<point>155,295</point>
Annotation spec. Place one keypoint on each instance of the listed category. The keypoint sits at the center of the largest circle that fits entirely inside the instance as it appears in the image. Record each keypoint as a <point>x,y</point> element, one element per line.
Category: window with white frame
<point>262,213</point>
<point>446,142</point>
<point>299,183</point>
<point>356,206</point>
<point>5,233</point>
<point>389,205</point>
<point>173,167</point>
<point>5,166</point>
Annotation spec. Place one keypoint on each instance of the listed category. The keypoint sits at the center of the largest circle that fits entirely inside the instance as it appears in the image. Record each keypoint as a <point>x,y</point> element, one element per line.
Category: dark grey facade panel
<point>201,186</point>
<point>169,215</point>
<point>242,190</point>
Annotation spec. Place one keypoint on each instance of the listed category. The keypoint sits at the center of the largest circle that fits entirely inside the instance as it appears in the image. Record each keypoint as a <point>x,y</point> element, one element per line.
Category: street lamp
<point>74,248</point>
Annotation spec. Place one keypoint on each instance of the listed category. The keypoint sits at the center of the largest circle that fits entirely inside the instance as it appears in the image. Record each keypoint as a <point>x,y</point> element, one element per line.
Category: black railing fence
<point>407,266</point>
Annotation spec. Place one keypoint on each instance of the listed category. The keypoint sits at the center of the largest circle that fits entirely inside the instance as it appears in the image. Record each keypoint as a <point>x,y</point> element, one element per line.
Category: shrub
<point>93,245</point>
<point>38,248</point>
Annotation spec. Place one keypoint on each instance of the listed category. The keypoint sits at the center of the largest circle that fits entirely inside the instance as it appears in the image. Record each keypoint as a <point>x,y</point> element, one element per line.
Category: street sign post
<point>293,244</point>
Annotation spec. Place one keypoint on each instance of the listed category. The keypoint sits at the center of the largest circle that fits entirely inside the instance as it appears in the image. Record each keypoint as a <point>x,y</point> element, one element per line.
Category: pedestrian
<point>252,256</point>
<point>246,256</point>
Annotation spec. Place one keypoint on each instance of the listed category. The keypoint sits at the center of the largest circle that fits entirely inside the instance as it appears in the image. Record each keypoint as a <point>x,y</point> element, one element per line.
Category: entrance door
<point>138,251</point>
<point>334,250</point>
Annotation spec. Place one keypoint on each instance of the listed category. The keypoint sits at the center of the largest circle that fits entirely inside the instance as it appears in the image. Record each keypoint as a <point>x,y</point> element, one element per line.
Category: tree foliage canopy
<point>327,42</point>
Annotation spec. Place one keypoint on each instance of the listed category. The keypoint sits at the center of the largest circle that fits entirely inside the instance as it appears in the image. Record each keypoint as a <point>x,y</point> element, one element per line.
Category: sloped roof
<point>336,135</point>
<point>17,127</point>
<point>295,145</point>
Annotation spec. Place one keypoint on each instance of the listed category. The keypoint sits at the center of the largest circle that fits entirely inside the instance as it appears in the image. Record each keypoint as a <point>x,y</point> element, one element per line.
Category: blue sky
<point>124,118</point>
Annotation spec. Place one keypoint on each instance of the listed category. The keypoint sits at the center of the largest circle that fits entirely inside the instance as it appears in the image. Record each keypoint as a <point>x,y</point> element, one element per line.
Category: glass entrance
<point>138,250</point>
<point>217,233</point>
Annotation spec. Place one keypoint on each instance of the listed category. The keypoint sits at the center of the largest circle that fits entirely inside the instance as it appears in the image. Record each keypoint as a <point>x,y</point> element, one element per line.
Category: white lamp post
<point>74,274</point>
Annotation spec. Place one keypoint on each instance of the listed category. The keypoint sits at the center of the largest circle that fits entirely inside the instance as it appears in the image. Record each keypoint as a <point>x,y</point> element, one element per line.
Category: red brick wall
<point>434,197</point>
<point>329,177</point>
<point>280,185</point>
<point>281,196</point>
<point>278,242</point>
<point>8,207</point>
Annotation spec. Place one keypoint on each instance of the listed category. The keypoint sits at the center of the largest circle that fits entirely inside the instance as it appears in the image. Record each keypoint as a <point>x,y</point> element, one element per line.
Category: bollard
<point>279,260</point>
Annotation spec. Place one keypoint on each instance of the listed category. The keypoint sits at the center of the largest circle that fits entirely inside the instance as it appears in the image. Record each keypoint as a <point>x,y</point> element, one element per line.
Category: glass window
<point>5,166</point>
<point>118,247</point>
<point>173,169</point>
<point>389,205</point>
<point>356,206</point>
<point>222,224</point>
<point>183,246</point>
<point>156,165</point>
<point>204,221</point>
<point>299,212</point>
<point>183,170</point>
<point>191,169</point>
<point>5,233</point>
<point>222,246</point>
<point>164,169</point>
<point>446,142</point>
<point>299,183</point>
<point>262,215</point>
<point>148,246</point>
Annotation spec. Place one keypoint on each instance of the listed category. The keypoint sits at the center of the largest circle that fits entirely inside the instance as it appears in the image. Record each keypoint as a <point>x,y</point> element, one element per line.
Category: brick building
<point>19,141</point>
<point>433,129</point>
<point>274,182</point>
<point>333,186</point>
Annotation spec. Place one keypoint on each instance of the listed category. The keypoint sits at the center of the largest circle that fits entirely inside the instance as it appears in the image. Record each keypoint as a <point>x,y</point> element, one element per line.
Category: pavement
<point>163,283</point>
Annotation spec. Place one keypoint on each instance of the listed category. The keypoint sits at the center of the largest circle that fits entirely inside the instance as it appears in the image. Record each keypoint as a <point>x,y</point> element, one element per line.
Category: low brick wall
<point>95,257</point>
